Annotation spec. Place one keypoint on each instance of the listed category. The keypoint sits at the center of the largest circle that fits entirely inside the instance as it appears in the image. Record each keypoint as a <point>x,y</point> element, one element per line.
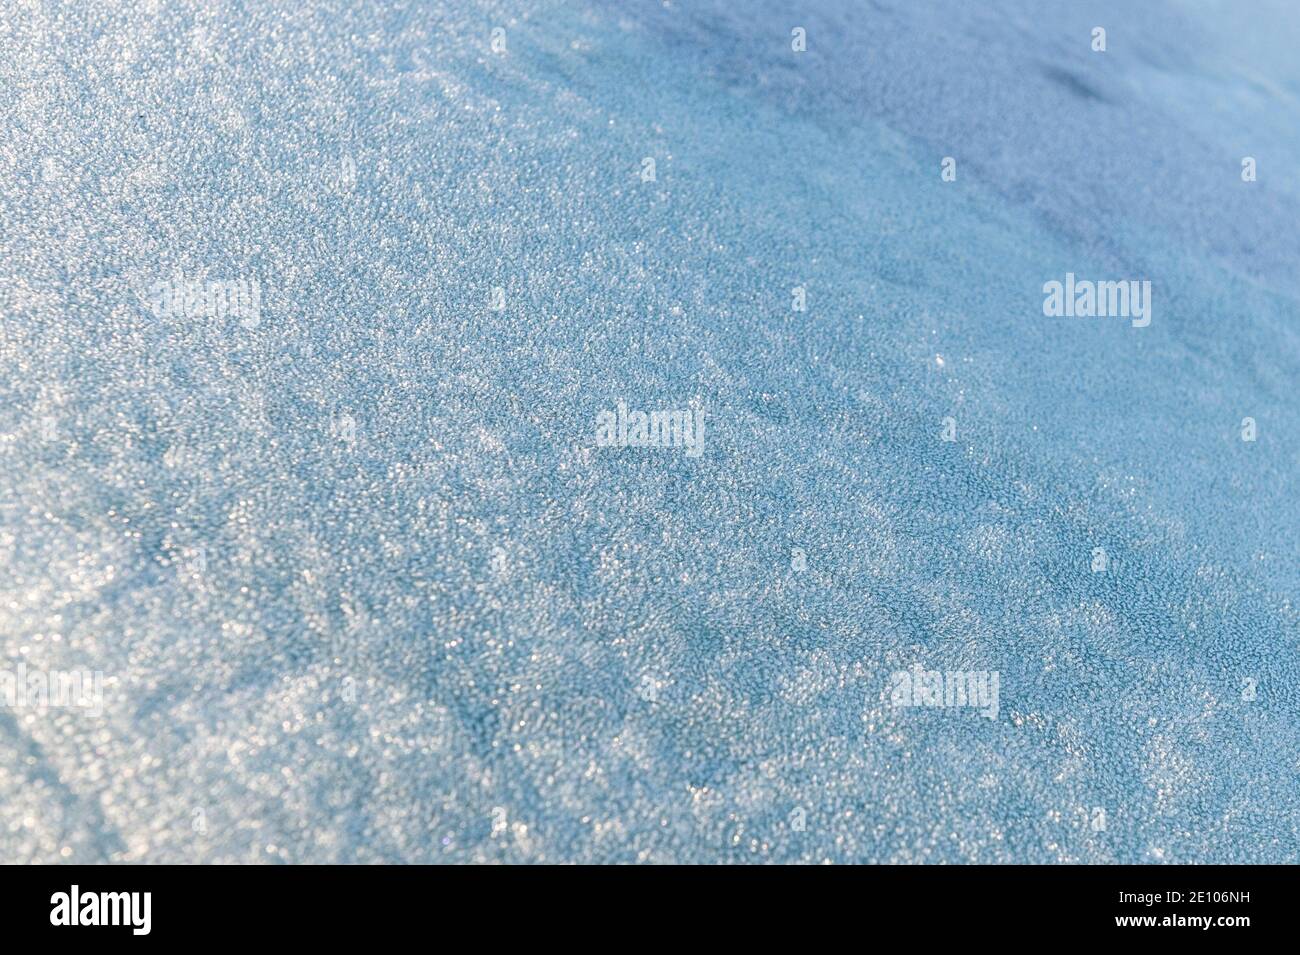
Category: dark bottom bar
<point>303,905</point>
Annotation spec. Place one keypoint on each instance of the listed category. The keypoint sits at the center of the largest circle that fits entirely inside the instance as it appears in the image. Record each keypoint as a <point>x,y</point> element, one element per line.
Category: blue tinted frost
<point>362,586</point>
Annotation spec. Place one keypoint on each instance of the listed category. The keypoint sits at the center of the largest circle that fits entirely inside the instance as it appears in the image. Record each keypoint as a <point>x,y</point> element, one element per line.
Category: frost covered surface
<point>429,610</point>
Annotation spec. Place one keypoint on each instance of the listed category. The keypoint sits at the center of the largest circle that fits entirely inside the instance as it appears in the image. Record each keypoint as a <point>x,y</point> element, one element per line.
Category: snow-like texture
<point>364,588</point>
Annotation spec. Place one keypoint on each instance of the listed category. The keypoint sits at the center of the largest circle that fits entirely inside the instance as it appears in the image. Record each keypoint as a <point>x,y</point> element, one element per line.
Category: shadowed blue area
<point>433,621</point>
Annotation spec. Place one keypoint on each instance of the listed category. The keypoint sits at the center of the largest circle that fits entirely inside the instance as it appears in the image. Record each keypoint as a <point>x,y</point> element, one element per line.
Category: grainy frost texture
<point>315,320</point>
